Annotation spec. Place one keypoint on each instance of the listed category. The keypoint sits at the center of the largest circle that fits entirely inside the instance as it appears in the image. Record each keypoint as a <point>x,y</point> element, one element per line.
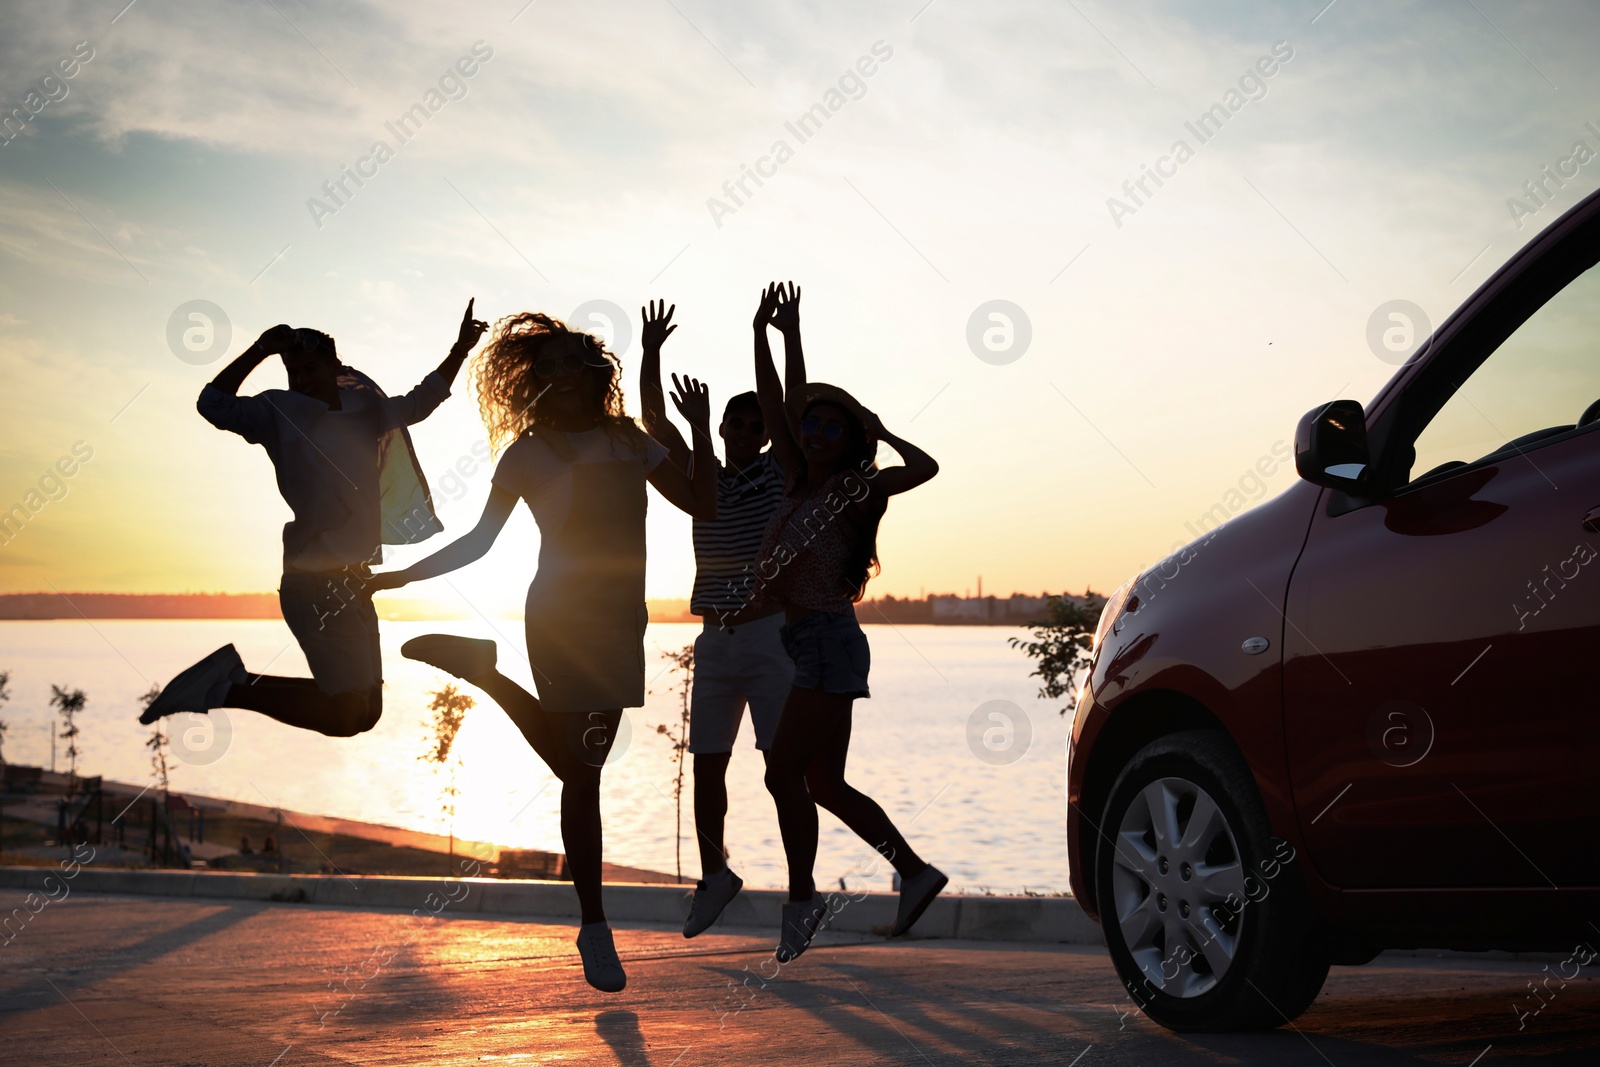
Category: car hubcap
<point>1178,887</point>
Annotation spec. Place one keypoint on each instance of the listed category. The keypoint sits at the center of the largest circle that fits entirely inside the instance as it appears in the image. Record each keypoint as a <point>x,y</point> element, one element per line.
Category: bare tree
<point>5,695</point>
<point>157,744</point>
<point>449,707</point>
<point>683,666</point>
<point>68,702</point>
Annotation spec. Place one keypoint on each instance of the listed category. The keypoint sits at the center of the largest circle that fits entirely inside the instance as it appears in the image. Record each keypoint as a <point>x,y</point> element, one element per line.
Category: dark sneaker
<point>465,657</point>
<point>601,965</point>
<point>711,895</point>
<point>199,688</point>
<point>801,921</point>
<point>916,893</point>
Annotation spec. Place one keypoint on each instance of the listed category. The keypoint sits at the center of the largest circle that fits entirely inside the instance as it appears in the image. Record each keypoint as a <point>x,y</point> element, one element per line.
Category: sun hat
<point>823,393</point>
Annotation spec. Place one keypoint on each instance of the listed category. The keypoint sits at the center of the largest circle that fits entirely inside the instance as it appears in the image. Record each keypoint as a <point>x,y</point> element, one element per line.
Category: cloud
<point>244,78</point>
<point>590,142</point>
<point>41,228</point>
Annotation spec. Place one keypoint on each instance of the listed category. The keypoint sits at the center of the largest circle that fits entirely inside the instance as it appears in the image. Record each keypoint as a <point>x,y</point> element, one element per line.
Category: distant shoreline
<point>45,607</point>
<point>42,606</point>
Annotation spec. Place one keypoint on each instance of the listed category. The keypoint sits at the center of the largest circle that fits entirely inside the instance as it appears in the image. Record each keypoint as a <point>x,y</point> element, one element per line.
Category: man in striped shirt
<point>733,666</point>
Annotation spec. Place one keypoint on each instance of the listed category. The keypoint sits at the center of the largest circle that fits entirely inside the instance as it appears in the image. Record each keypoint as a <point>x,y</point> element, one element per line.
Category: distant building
<point>948,609</point>
<point>1016,609</point>
<point>951,608</point>
<point>1020,607</point>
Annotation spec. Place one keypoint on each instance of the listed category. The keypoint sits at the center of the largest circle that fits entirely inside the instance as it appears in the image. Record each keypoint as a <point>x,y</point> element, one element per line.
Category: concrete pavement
<point>1035,919</point>
<point>106,979</point>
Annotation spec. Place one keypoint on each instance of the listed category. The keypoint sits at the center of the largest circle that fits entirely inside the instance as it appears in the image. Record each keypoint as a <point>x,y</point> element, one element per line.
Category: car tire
<point>1203,910</point>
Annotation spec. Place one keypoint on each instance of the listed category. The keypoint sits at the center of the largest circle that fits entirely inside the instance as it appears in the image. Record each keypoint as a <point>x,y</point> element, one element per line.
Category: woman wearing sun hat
<point>819,551</point>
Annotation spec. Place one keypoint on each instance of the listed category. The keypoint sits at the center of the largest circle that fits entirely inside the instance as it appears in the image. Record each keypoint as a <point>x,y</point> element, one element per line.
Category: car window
<point>1537,384</point>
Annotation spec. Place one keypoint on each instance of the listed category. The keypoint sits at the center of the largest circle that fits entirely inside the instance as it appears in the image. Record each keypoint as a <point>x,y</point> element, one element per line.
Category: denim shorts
<point>830,653</point>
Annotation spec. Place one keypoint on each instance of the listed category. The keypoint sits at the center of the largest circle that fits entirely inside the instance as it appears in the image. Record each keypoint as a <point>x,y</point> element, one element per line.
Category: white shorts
<point>748,665</point>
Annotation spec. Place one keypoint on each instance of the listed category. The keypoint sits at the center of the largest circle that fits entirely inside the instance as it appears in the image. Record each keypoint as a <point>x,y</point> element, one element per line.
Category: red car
<point>1363,715</point>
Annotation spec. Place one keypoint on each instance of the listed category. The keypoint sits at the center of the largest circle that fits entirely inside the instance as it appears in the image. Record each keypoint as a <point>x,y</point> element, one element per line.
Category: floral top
<point>807,547</point>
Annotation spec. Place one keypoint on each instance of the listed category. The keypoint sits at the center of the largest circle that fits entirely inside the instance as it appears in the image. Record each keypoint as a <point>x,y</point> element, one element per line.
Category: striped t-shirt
<point>726,548</point>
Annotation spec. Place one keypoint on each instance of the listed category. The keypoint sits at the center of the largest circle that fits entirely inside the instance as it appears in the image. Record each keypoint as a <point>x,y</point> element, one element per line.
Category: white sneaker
<point>601,965</point>
<point>916,893</point>
<point>802,919</point>
<point>711,895</point>
<point>199,688</point>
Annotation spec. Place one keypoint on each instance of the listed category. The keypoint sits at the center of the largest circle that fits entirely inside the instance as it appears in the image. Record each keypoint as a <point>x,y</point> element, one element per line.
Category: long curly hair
<point>865,515</point>
<point>509,391</point>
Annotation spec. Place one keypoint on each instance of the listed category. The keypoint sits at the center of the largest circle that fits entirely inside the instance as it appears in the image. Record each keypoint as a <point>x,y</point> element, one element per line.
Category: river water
<point>976,786</point>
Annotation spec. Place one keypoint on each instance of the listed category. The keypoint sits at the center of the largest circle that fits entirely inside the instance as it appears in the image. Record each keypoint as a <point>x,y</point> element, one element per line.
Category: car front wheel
<point>1203,910</point>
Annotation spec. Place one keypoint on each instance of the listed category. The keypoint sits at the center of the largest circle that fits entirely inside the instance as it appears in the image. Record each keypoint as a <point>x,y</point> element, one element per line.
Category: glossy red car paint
<point>1393,621</point>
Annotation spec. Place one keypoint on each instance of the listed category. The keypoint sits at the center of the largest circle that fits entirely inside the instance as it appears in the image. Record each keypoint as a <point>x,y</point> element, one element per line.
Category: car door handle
<point>1591,521</point>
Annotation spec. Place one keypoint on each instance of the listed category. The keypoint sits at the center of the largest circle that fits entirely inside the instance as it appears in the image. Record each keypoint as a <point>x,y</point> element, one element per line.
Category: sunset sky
<point>594,154</point>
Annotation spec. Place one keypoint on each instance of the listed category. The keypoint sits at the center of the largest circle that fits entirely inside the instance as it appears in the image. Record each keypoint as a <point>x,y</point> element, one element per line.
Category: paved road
<point>112,980</point>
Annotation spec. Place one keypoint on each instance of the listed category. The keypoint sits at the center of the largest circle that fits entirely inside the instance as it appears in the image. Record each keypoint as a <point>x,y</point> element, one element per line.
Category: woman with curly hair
<point>551,399</point>
<point>821,546</point>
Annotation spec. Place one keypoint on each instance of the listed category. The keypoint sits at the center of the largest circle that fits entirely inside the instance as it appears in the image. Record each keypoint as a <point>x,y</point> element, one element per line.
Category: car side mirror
<point>1330,447</point>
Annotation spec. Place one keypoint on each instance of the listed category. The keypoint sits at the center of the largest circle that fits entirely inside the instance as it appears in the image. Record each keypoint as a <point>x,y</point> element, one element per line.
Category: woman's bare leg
<point>574,746</point>
<point>586,740</point>
<point>527,714</point>
<point>862,814</point>
<point>809,717</point>
<point>581,836</point>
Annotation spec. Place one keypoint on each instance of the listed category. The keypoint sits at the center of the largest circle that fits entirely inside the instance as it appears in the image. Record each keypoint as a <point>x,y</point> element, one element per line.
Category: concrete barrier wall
<point>1054,920</point>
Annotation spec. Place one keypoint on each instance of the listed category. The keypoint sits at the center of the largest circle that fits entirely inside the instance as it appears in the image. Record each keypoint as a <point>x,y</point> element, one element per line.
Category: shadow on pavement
<point>620,1029</point>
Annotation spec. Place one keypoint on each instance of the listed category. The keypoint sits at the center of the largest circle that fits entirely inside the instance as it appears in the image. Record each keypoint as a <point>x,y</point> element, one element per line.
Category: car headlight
<point>1109,614</point>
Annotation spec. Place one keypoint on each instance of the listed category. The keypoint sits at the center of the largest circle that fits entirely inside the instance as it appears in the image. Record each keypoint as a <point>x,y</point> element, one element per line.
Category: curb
<point>1046,920</point>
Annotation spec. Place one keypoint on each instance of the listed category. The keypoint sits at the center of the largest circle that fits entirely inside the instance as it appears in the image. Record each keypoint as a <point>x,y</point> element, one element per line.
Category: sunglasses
<point>555,366</point>
<point>831,431</point>
<point>739,422</point>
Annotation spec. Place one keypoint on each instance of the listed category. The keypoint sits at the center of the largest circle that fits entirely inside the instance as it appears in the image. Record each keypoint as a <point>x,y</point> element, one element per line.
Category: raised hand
<point>471,329</point>
<point>768,306</point>
<point>274,341</point>
<point>657,318</point>
<point>693,401</point>
<point>872,424</point>
<point>786,315</point>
